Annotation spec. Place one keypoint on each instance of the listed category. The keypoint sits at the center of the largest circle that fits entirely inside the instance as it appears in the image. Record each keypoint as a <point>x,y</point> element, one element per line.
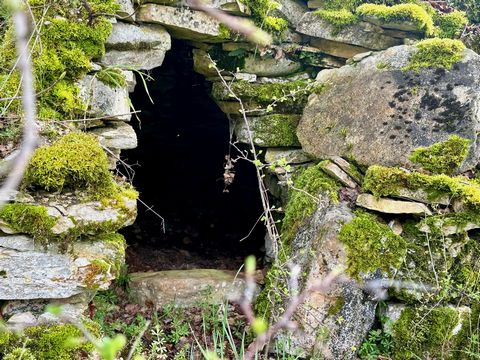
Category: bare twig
<point>28,100</point>
<point>239,25</point>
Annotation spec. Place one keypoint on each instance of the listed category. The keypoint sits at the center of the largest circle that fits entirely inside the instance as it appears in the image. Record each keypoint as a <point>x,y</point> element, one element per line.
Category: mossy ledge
<point>413,13</point>
<point>371,245</point>
<point>384,181</point>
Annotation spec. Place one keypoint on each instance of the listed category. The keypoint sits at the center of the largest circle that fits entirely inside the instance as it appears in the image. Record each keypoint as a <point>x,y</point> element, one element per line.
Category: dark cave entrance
<point>183,139</point>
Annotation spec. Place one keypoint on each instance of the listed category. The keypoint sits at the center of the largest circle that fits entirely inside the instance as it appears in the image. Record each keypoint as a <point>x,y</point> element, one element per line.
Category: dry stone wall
<point>303,104</point>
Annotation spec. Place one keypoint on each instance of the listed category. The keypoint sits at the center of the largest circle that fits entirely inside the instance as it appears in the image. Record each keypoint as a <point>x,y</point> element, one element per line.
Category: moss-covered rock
<point>76,160</point>
<point>276,130</point>
<point>47,342</point>
<point>384,181</point>
<point>436,53</point>
<point>284,97</point>
<point>371,245</point>
<point>424,332</point>
<point>410,13</point>
<point>442,158</point>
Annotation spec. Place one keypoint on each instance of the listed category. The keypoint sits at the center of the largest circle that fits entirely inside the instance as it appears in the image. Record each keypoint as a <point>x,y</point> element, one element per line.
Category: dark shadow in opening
<point>183,139</point>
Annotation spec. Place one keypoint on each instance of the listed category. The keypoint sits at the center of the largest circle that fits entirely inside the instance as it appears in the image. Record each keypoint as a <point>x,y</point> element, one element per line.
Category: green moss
<point>383,181</point>
<point>224,31</point>
<point>49,342</point>
<point>19,353</point>
<point>436,53</point>
<point>424,333</point>
<point>301,204</point>
<point>76,160</point>
<point>450,25</point>
<point>112,77</point>
<point>371,245</point>
<point>338,18</point>
<point>276,130</point>
<point>290,97</point>
<point>413,13</point>
<point>29,219</point>
<point>261,15</point>
<point>444,157</point>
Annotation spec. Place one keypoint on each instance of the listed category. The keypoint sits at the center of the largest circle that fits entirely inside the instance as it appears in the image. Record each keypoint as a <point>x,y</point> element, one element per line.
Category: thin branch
<point>30,134</point>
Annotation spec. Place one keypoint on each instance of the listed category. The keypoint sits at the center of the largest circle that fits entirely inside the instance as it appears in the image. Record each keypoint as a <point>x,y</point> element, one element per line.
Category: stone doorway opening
<point>183,139</point>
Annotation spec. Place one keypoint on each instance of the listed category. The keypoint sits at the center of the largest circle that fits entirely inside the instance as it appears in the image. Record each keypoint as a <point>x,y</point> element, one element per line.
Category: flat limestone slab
<point>185,287</point>
<point>390,206</point>
<point>182,23</point>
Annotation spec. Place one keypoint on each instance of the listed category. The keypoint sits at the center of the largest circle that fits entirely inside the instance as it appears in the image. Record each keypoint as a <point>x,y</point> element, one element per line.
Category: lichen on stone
<point>75,160</point>
<point>436,53</point>
<point>444,157</point>
<point>371,245</point>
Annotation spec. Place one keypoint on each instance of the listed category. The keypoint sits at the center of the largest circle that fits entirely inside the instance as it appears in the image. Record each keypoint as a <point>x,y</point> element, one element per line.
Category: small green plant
<point>158,350</point>
<point>378,342</point>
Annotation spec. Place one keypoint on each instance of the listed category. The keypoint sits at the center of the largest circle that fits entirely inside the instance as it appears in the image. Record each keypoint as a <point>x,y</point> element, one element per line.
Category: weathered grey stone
<point>142,59</point>
<point>390,206</point>
<point>182,23</point>
<point>268,130</point>
<point>251,78</point>
<point>336,48</point>
<point>17,242</point>
<point>422,196</point>
<point>230,6</point>
<point>290,156</point>
<point>49,274</point>
<point>337,173</point>
<point>103,100</point>
<point>126,11</point>
<point>348,168</point>
<point>117,135</point>
<point>392,111</point>
<point>363,34</point>
<point>185,287</point>
<point>19,322</point>
<point>131,80</point>
<point>335,323</point>
<point>133,37</point>
<point>270,67</point>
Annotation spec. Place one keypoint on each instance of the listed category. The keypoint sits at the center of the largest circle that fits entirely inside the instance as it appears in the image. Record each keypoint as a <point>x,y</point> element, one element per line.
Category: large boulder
<point>377,112</point>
